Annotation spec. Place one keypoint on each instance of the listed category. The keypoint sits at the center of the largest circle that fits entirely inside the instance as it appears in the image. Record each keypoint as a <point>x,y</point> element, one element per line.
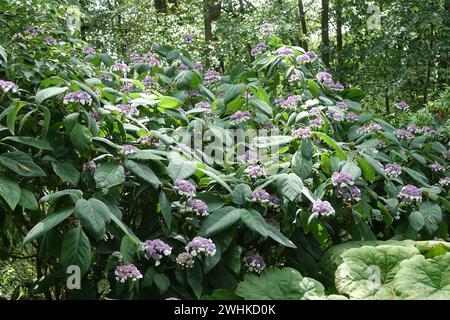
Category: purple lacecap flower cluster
<point>254,262</point>
<point>302,133</point>
<point>198,65</point>
<point>316,122</point>
<point>426,129</point>
<point>198,206</point>
<point>193,94</point>
<point>393,170</point>
<point>185,188</point>
<point>274,201</point>
<point>266,28</point>
<point>90,166</point>
<point>187,38</point>
<point>413,128</point>
<point>89,50</point>
<point>183,67</point>
<point>309,56</point>
<point>205,106</point>
<point>128,149</point>
<point>185,260</point>
<point>334,115</point>
<point>342,105</point>
<point>349,193</point>
<point>410,193</point>
<point>294,78</point>
<point>127,271</point>
<point>7,86</point>
<point>401,105</point>
<point>255,171</point>
<point>50,41</point>
<point>148,81</point>
<point>81,97</point>
<point>156,249</point>
<point>437,167</point>
<point>444,181</point>
<point>104,76</point>
<point>404,134</point>
<point>94,114</point>
<point>290,102</point>
<point>323,208</point>
<point>127,110</point>
<point>260,47</point>
<point>212,76</point>
<point>120,67</point>
<point>327,79</point>
<point>240,116</point>
<point>250,156</point>
<point>118,255</point>
<point>371,127</point>
<point>200,245</point>
<point>270,126</point>
<point>136,58</point>
<point>262,196</point>
<point>147,140</point>
<point>31,30</point>
<point>342,179</point>
<point>351,117</point>
<point>127,88</point>
<point>285,52</point>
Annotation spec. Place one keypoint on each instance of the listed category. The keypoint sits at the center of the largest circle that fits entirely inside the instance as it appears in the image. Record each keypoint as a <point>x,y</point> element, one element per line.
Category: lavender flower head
<point>212,76</point>
<point>309,56</point>
<point>316,122</point>
<point>255,171</point>
<point>260,195</point>
<point>274,201</point>
<point>120,67</point>
<point>436,167</point>
<point>266,28</point>
<point>258,48</point>
<point>7,86</point>
<point>89,50</point>
<point>239,117</point>
<point>50,41</point>
<point>367,128</point>
<point>128,271</point>
<point>200,245</point>
<point>294,78</point>
<point>404,134</point>
<point>285,52</point>
<point>349,194</point>
<point>302,133</point>
<point>81,97</point>
<point>290,103</point>
<point>351,117</point>
<point>205,106</point>
<point>127,110</point>
<point>393,170</point>
<point>156,249</point>
<point>148,81</point>
<point>198,65</point>
<point>198,206</point>
<point>401,105</point>
<point>185,188</point>
<point>127,88</point>
<point>342,105</point>
<point>31,30</point>
<point>251,157</point>
<point>412,128</point>
<point>410,193</point>
<point>334,115</point>
<point>188,38</point>
<point>185,260</point>
<point>254,262</point>
<point>127,149</point>
<point>444,181</point>
<point>342,179</point>
<point>104,76</point>
<point>90,166</point>
<point>147,140</point>
<point>336,86</point>
<point>323,208</point>
<point>324,77</point>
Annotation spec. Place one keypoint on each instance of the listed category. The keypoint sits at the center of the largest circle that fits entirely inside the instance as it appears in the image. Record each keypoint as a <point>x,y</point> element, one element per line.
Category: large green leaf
<point>22,164</point>
<point>76,250</point>
<point>46,93</point>
<point>143,172</point>
<point>48,223</point>
<point>254,221</point>
<point>9,191</point>
<point>420,278</point>
<point>74,194</point>
<point>67,172</point>
<point>81,139</point>
<point>220,220</point>
<point>290,185</point>
<point>94,215</point>
<point>28,200</point>
<point>109,174</point>
<point>332,143</point>
<point>279,284</point>
<point>180,168</point>
<point>233,92</point>
<point>367,272</point>
<point>32,142</point>
<point>432,215</point>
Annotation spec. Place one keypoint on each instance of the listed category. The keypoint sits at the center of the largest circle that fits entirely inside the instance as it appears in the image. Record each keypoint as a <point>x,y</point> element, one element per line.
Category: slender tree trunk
<point>212,12</point>
<point>339,38</point>
<point>303,26</point>
<point>325,35</point>
<point>161,5</point>
<point>386,100</point>
<point>430,62</point>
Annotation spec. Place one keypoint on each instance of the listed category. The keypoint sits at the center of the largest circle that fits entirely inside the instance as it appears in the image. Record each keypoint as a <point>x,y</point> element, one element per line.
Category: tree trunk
<point>325,35</point>
<point>430,63</point>
<point>161,5</point>
<point>212,12</point>
<point>339,38</point>
<point>303,26</point>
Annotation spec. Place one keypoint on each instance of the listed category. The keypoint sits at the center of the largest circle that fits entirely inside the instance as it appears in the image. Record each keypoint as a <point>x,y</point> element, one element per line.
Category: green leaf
<point>216,178</point>
<point>183,79</point>
<point>80,137</point>
<point>67,172</point>
<point>279,284</point>
<point>180,168</point>
<point>313,87</point>
<point>149,276</point>
<point>32,142</point>
<point>279,237</point>
<point>290,185</point>
<point>162,282</point>
<point>339,152</point>
<point>241,193</point>
<point>127,249</point>
<point>109,174</point>
<point>74,194</point>
<point>367,169</point>
<point>166,212</point>
<point>254,221</point>
<point>432,215</point>
<point>233,92</point>
<point>46,93</point>
<point>420,278</point>
<point>48,223</point>
<point>417,176</point>
<point>76,250</point>
<point>220,220</point>
<point>416,221</point>
<point>3,54</point>
<point>9,191</point>
<point>195,279</point>
<point>367,272</point>
<point>169,102</point>
<point>22,164</point>
<point>93,215</point>
<point>262,105</point>
<point>28,200</point>
<point>143,172</point>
